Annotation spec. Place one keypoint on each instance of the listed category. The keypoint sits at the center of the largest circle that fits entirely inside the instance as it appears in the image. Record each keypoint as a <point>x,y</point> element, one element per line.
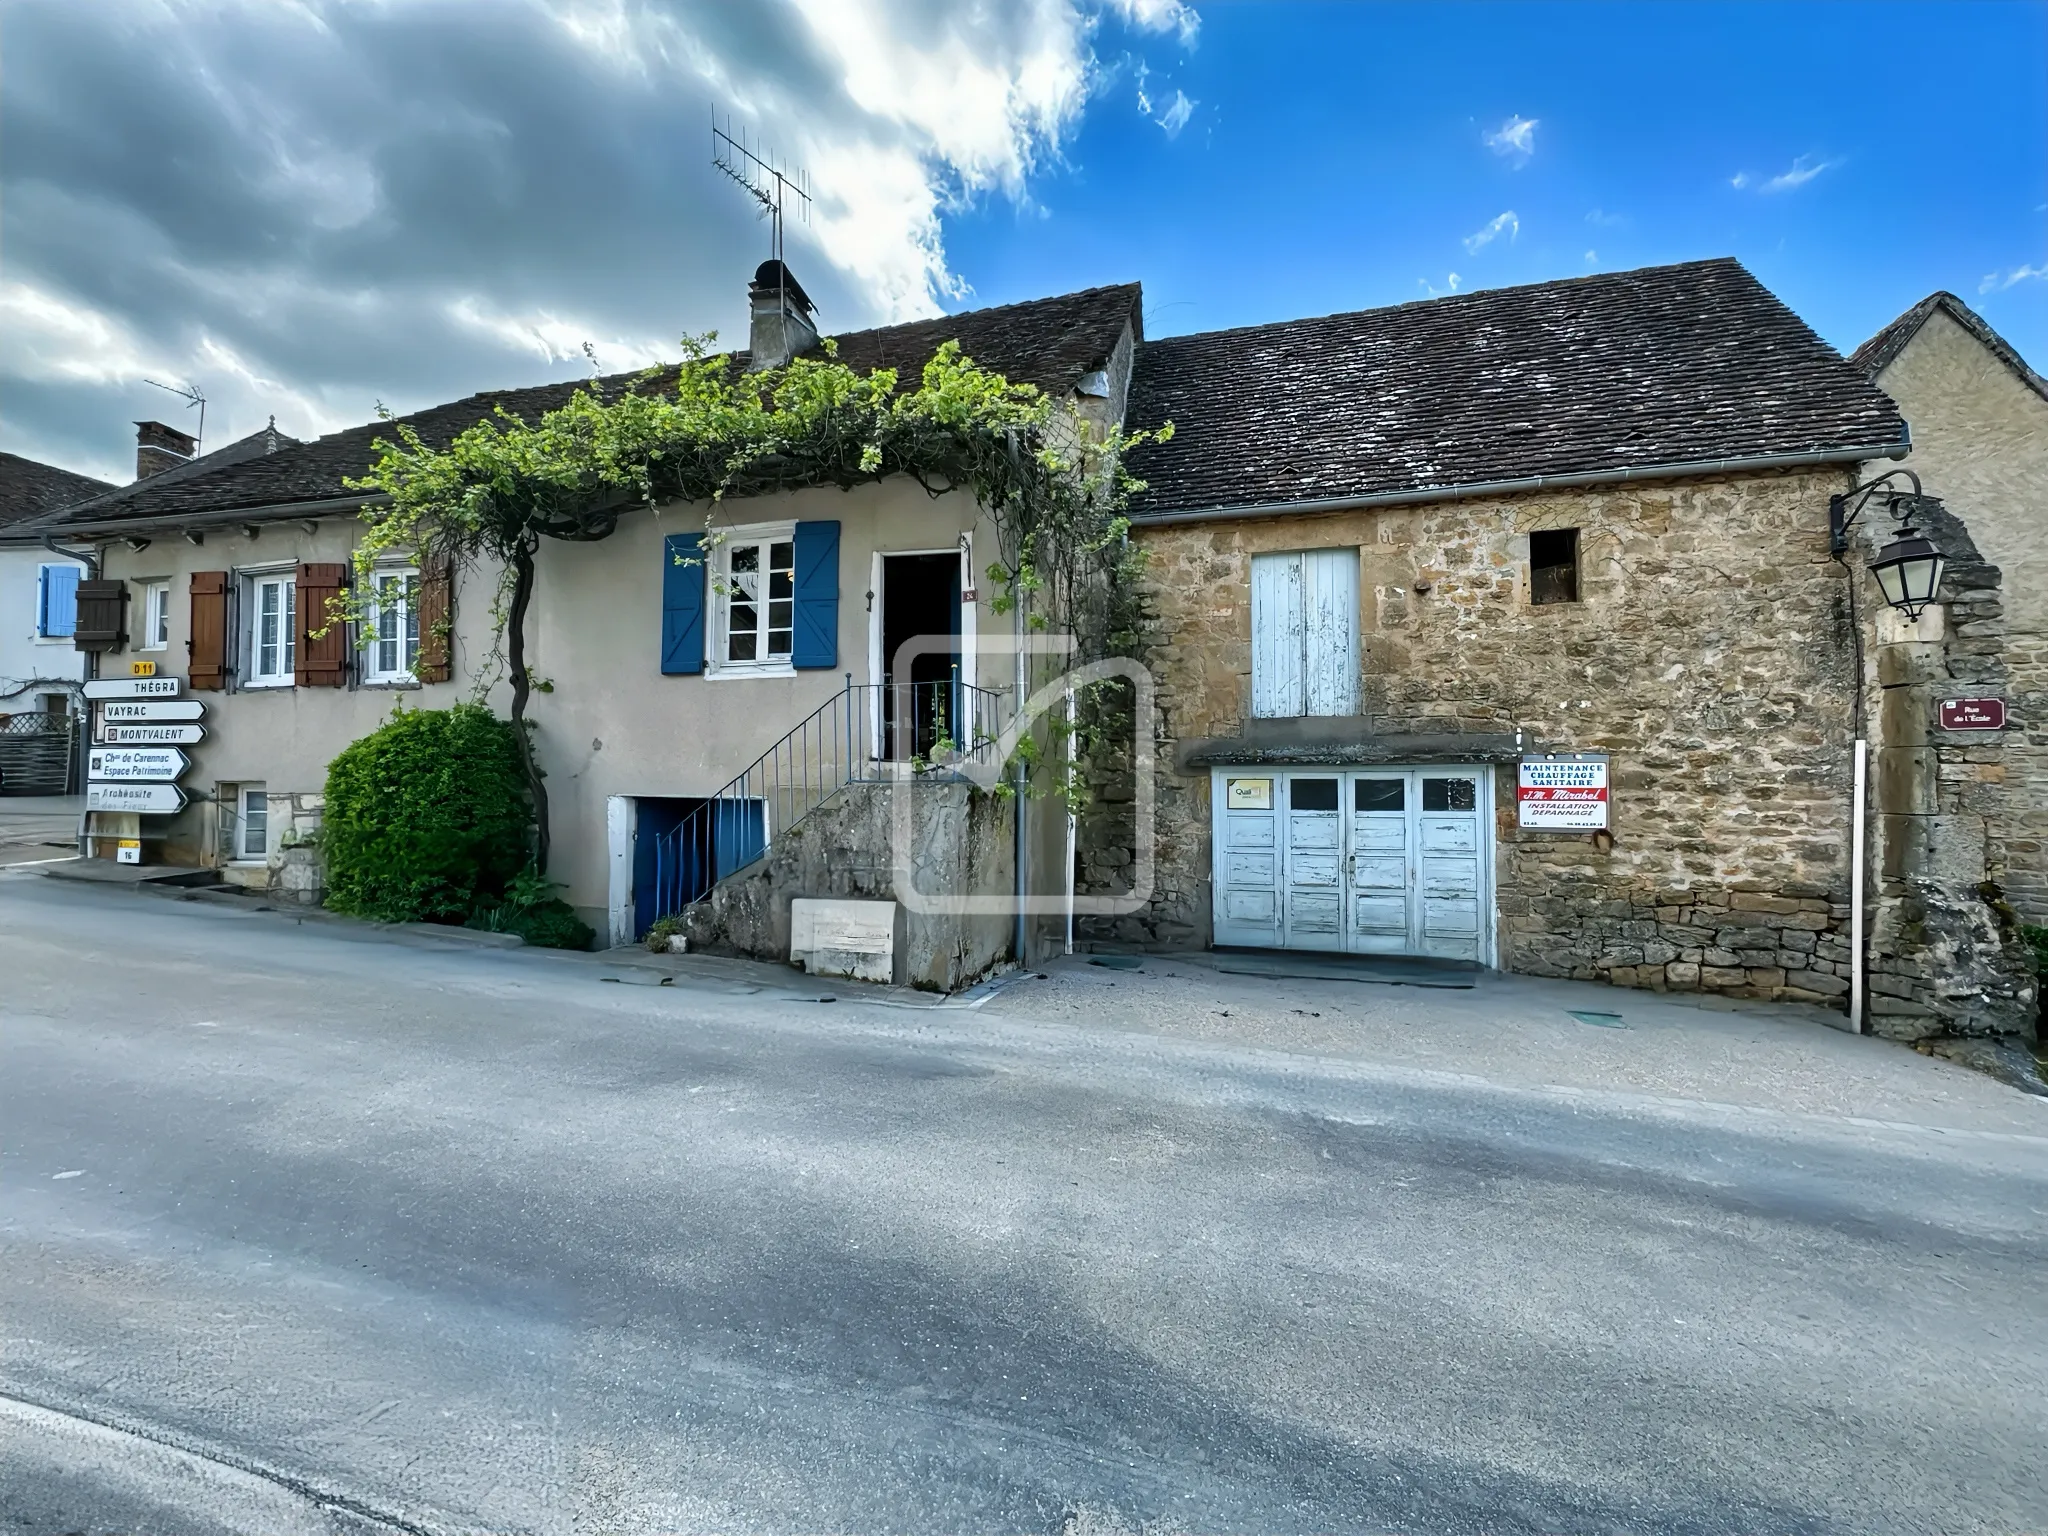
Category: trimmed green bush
<point>426,817</point>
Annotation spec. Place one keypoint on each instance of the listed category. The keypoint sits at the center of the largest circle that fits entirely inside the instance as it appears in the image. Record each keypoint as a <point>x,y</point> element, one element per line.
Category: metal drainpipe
<point>1023,855</point>
<point>82,738</point>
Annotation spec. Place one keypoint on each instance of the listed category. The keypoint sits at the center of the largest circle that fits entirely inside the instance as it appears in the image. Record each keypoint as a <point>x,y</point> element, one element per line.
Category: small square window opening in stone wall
<point>1554,565</point>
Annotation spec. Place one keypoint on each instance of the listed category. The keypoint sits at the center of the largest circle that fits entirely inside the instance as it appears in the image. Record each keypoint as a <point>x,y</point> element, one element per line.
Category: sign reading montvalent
<point>1563,794</point>
<point>144,799</point>
<point>147,735</point>
<point>133,688</point>
<point>1973,714</point>
<point>136,764</point>
<point>151,709</point>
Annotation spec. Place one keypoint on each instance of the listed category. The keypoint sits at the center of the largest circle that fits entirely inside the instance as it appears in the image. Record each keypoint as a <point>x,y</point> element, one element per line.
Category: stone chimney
<point>781,326</point>
<point>158,448</point>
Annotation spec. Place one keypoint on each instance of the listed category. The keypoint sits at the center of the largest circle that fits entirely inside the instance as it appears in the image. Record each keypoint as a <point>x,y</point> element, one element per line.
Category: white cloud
<point>1592,258</point>
<point>1602,219</point>
<point>555,340</point>
<point>1500,224</point>
<point>1998,282</point>
<point>1161,16</point>
<point>1514,139</point>
<point>1174,116</point>
<point>1450,286</point>
<point>410,200</point>
<point>51,339</point>
<point>1798,174</point>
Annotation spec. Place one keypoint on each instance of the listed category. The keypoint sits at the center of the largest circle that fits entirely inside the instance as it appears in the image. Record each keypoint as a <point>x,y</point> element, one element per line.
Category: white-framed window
<point>1305,633</point>
<point>252,822</point>
<point>156,617</point>
<point>270,606</point>
<point>753,574</point>
<point>391,633</point>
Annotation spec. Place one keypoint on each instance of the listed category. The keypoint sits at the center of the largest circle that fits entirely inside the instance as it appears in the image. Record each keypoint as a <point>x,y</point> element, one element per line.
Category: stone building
<point>1394,556</point>
<point>1961,834</point>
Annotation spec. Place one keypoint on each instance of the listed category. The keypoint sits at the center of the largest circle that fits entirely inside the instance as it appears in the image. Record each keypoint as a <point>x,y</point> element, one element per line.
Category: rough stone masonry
<point>1709,652</point>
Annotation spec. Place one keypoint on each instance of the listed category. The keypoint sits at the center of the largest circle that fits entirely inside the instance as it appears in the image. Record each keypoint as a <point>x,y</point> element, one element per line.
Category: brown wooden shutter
<point>437,614</point>
<point>323,636</point>
<point>208,646</point>
<point>102,616</point>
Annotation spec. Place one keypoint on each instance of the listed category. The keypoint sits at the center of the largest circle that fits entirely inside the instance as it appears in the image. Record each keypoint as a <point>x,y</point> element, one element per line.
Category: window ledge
<point>391,684</point>
<point>733,672</point>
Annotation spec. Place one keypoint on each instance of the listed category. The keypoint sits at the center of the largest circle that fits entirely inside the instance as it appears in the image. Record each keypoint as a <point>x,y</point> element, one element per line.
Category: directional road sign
<point>134,688</point>
<point>136,765</point>
<point>167,735</point>
<point>151,709</point>
<point>147,799</point>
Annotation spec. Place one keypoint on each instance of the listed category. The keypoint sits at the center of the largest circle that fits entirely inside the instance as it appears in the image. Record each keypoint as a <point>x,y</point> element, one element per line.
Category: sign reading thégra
<point>133,688</point>
<point>1563,794</point>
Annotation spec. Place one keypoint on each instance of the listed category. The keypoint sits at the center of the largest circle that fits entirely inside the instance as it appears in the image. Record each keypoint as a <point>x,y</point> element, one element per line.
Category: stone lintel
<point>1317,741</point>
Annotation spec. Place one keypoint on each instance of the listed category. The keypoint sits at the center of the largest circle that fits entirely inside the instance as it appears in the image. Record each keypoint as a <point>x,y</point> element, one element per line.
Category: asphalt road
<point>303,1229</point>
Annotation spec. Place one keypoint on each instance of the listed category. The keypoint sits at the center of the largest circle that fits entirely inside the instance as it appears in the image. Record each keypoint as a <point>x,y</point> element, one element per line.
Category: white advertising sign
<point>136,764</point>
<point>152,709</point>
<point>1563,794</point>
<point>168,735</point>
<point>133,688</point>
<point>145,799</point>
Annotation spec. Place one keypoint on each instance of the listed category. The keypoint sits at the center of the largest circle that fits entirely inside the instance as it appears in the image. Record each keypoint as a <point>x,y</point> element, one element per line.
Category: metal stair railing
<point>867,733</point>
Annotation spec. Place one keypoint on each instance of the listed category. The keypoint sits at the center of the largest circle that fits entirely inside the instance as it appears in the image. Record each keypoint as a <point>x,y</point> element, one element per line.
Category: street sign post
<point>133,688</point>
<point>136,765</point>
<point>151,709</point>
<point>142,799</point>
<point>147,735</point>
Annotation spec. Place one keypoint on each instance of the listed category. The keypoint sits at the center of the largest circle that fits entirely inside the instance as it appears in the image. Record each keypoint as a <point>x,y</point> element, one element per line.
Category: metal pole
<point>1856,892</point>
<point>1072,821</point>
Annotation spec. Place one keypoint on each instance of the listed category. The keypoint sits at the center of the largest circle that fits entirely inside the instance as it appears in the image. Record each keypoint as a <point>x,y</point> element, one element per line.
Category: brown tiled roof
<point>1878,353</point>
<point>1047,342</point>
<point>1665,365</point>
<point>29,489</point>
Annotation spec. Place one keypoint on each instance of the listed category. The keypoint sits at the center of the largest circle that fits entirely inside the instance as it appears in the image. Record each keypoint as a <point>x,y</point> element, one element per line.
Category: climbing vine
<point>1055,489</point>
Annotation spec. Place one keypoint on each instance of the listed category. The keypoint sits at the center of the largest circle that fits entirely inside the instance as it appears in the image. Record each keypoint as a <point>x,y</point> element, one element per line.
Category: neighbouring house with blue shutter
<point>707,692</point>
<point>40,667</point>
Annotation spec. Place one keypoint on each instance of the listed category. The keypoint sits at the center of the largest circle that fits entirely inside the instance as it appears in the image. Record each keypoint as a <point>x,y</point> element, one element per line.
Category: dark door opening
<point>920,597</point>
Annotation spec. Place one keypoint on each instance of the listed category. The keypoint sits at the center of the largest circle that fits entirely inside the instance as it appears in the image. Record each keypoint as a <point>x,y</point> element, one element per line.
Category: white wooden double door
<point>1388,861</point>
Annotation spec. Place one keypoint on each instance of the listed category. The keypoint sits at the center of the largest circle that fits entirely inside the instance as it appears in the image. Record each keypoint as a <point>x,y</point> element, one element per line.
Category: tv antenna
<point>189,393</point>
<point>766,182</point>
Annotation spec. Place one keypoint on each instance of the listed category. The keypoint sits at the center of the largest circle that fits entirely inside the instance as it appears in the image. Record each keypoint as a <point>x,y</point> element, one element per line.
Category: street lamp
<point>1908,570</point>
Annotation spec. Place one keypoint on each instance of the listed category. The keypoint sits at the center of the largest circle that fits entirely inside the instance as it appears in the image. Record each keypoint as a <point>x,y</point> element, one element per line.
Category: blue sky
<point>1337,158</point>
<point>310,209</point>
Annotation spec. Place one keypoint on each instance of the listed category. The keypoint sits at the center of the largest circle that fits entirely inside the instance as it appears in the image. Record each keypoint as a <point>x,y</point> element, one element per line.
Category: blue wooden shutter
<point>682,603</point>
<point>816,642</point>
<point>57,602</point>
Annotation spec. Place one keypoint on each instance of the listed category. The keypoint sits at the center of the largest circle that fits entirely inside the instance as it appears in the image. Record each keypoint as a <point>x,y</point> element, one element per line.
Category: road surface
<point>311,1228</point>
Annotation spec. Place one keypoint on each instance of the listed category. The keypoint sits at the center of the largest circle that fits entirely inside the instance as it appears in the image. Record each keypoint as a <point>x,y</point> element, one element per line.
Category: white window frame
<point>371,643</point>
<point>252,647</point>
<point>722,594</point>
<point>156,616</point>
<point>241,854</point>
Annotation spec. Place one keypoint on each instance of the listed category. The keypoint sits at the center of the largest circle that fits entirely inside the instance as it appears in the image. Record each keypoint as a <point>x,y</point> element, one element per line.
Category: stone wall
<point>961,844</point>
<point>1711,654</point>
<point>1980,443</point>
<point>293,870</point>
<point>1708,654</point>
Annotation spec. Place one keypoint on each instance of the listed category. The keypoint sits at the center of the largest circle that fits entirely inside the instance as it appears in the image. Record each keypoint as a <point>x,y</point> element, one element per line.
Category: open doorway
<point>920,596</point>
<point>684,845</point>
